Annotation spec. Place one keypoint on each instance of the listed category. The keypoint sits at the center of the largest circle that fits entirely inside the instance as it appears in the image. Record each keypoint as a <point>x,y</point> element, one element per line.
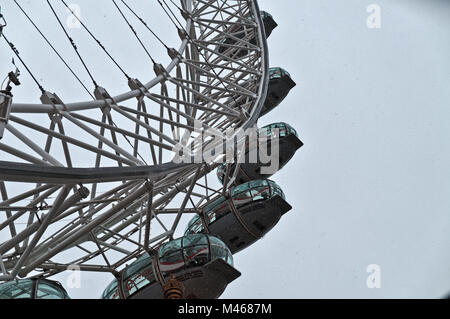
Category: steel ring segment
<point>19,172</point>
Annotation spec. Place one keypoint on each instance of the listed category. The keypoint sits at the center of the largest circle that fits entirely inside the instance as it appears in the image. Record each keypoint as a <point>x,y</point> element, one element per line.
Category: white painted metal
<point>220,90</point>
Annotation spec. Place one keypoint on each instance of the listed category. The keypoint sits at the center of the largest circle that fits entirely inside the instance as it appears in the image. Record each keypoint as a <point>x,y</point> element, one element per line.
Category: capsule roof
<point>256,190</point>
<point>265,14</point>
<point>283,128</point>
<point>32,289</point>
<point>277,72</point>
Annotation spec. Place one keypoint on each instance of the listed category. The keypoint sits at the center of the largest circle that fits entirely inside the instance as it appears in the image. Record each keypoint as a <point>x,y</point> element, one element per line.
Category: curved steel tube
<point>78,106</point>
<point>30,173</point>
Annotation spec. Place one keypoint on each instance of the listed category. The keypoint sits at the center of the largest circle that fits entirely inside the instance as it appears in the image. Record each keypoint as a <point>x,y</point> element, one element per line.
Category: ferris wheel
<point>99,185</point>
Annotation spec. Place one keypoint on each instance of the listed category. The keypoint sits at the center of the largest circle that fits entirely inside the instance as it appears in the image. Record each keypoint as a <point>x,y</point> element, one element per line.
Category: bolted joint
<point>13,78</point>
<point>160,70</point>
<point>182,34</point>
<point>173,54</point>
<point>243,114</point>
<point>116,274</point>
<point>100,93</point>
<point>229,194</point>
<point>54,100</point>
<point>152,252</point>
<point>207,167</point>
<point>84,192</point>
<point>84,220</point>
<point>149,186</point>
<point>186,15</point>
<point>56,117</point>
<point>135,84</point>
<point>51,98</point>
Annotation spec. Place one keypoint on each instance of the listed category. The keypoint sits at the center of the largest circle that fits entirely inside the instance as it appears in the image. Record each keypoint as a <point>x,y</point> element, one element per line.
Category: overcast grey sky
<point>372,183</point>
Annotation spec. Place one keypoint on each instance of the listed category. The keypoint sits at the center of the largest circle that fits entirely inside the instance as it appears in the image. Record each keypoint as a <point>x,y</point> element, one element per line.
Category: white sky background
<point>370,186</point>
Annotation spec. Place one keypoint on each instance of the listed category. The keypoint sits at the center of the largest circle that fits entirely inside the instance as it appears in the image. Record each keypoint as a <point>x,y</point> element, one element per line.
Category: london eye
<point>97,182</point>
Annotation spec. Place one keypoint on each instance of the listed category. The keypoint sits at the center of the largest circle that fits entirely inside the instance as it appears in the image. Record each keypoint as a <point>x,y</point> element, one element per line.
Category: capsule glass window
<point>48,291</point>
<point>111,292</point>
<point>16,290</point>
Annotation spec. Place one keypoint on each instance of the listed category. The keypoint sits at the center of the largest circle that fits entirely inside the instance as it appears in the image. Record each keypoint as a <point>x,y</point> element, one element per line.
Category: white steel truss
<point>131,199</point>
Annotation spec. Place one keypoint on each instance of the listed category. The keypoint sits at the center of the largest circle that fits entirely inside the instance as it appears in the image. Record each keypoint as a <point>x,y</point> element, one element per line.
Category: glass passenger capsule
<point>35,288</point>
<point>280,84</point>
<point>202,263</point>
<point>288,144</point>
<point>269,22</point>
<point>250,212</point>
<point>228,44</point>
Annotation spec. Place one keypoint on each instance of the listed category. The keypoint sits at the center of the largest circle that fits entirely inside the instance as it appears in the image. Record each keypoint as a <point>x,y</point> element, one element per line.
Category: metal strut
<point>239,217</point>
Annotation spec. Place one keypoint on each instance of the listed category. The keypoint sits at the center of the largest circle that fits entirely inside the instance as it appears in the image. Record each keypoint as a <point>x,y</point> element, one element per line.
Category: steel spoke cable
<point>97,40</point>
<point>167,13</point>
<point>16,52</point>
<point>200,52</point>
<point>173,21</point>
<point>145,24</point>
<point>173,2</point>
<point>87,69</point>
<point>53,48</point>
<point>72,42</point>
<point>171,11</point>
<point>134,32</point>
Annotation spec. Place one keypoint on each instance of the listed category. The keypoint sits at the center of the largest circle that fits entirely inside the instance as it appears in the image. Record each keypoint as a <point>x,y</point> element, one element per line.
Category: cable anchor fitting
<point>6,97</point>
